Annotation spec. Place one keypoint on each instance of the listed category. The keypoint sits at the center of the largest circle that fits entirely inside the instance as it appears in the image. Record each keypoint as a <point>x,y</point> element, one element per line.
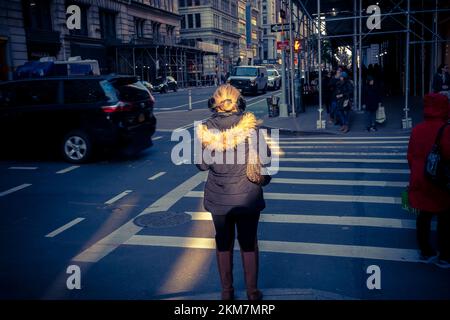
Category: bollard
<point>190,99</point>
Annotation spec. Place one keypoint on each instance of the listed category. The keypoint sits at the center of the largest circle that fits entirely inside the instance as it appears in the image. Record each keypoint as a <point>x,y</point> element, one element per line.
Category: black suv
<point>77,114</point>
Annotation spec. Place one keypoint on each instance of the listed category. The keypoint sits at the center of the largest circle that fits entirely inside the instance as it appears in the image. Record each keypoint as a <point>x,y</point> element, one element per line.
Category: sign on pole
<point>283,45</point>
<point>279,27</point>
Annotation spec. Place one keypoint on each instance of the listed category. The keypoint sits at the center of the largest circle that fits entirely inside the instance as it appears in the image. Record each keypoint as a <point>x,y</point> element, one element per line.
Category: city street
<point>333,210</point>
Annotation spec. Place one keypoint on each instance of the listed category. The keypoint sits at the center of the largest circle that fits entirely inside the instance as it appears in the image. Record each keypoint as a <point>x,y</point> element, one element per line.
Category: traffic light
<point>297,45</point>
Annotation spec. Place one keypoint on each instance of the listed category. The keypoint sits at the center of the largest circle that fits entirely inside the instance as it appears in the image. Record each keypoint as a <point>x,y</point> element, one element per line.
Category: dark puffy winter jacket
<point>227,186</point>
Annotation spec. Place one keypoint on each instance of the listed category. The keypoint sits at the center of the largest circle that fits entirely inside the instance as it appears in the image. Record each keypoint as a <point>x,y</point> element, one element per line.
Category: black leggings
<point>443,233</point>
<point>246,223</point>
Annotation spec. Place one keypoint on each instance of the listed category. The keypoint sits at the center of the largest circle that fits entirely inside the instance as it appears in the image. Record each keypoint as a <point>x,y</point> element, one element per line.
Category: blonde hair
<point>226,97</point>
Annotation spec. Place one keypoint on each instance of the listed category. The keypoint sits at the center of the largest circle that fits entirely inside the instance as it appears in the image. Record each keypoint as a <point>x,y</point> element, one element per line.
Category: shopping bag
<point>405,202</point>
<point>380,115</point>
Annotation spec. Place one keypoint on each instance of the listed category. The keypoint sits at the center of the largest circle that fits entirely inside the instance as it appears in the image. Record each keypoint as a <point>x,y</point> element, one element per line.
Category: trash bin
<point>273,106</point>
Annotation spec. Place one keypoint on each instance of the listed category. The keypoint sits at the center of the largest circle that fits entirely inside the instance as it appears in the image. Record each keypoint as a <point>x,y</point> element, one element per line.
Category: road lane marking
<point>353,160</point>
<point>317,197</point>
<point>122,234</point>
<point>345,138</point>
<point>261,100</point>
<point>318,249</point>
<point>118,197</point>
<point>338,142</point>
<point>306,153</point>
<point>365,183</point>
<point>321,219</point>
<point>67,169</point>
<point>22,168</point>
<point>344,170</point>
<point>22,186</point>
<point>64,227</point>
<point>157,138</point>
<point>156,176</point>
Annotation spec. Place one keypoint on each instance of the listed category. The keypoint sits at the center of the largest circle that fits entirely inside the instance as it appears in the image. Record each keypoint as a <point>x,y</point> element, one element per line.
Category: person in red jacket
<point>425,196</point>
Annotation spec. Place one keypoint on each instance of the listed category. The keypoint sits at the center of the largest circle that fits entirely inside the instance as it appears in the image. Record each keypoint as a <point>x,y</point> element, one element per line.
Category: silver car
<point>274,79</point>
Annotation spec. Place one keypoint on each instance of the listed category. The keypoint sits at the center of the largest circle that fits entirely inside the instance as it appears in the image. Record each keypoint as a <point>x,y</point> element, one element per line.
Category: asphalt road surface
<point>333,210</point>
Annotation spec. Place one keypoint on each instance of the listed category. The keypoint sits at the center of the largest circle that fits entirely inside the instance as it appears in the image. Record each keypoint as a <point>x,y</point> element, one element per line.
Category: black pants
<point>443,233</point>
<point>246,223</point>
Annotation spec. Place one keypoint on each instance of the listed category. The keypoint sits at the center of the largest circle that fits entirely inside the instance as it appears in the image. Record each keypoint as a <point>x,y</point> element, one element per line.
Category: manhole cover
<point>162,219</point>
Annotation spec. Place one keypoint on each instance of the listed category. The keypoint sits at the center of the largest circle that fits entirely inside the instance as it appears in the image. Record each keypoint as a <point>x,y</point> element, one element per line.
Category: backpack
<point>436,168</point>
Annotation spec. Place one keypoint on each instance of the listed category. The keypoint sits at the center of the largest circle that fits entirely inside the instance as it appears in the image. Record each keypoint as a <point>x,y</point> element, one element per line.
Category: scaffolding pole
<point>321,124</point>
<point>406,123</point>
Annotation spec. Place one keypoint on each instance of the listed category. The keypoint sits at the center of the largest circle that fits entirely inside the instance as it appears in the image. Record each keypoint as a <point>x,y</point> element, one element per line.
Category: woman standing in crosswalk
<point>234,201</point>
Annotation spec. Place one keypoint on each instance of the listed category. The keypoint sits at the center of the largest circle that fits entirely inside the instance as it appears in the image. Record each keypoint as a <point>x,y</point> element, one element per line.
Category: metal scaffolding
<point>409,28</point>
<point>150,61</point>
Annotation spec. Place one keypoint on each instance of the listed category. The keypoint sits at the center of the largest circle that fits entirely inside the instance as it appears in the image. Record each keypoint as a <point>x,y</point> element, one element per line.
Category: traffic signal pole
<point>283,104</point>
<point>291,60</point>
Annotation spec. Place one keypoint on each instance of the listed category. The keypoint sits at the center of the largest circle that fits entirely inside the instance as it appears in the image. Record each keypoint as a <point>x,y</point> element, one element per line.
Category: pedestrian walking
<point>232,194</point>
<point>332,89</point>
<point>441,80</point>
<point>344,90</point>
<point>425,196</point>
<point>372,99</point>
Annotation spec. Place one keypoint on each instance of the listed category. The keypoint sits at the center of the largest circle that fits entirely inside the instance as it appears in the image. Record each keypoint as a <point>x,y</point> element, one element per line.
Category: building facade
<point>214,22</point>
<point>140,37</point>
<point>13,47</point>
<point>269,16</point>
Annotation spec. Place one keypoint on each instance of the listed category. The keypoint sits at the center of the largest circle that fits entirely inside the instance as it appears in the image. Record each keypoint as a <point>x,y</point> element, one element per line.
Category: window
<point>139,27</point>
<point>92,92</point>
<point>183,22</point>
<point>216,21</point>
<point>264,19</point>
<point>181,3</point>
<point>190,21</point>
<point>216,4</point>
<point>29,93</point>
<point>198,22</point>
<point>37,15</point>
<point>108,24</point>
<point>156,26</point>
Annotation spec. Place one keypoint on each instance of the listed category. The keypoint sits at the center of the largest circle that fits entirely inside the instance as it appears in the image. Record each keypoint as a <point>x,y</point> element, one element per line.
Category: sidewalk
<point>305,123</point>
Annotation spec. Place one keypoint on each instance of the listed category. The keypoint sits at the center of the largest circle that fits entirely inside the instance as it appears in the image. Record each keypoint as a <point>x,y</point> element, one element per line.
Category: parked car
<point>78,115</point>
<point>148,85</point>
<point>274,79</point>
<point>249,79</point>
<point>163,85</point>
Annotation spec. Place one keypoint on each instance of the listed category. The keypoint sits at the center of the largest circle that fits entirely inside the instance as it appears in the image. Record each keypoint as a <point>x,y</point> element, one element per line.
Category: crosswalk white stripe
<point>317,197</point>
<point>321,219</point>
<point>22,168</point>
<point>156,176</point>
<point>365,183</point>
<point>306,153</point>
<point>67,169</point>
<point>157,138</point>
<point>274,147</point>
<point>345,138</point>
<point>64,227</point>
<point>118,197</point>
<point>319,249</point>
<point>343,160</point>
<point>338,142</point>
<point>110,242</point>
<point>344,170</point>
<point>9,191</point>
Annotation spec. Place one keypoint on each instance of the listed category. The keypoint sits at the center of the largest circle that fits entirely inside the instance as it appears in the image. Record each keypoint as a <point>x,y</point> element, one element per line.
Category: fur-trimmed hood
<point>221,140</point>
